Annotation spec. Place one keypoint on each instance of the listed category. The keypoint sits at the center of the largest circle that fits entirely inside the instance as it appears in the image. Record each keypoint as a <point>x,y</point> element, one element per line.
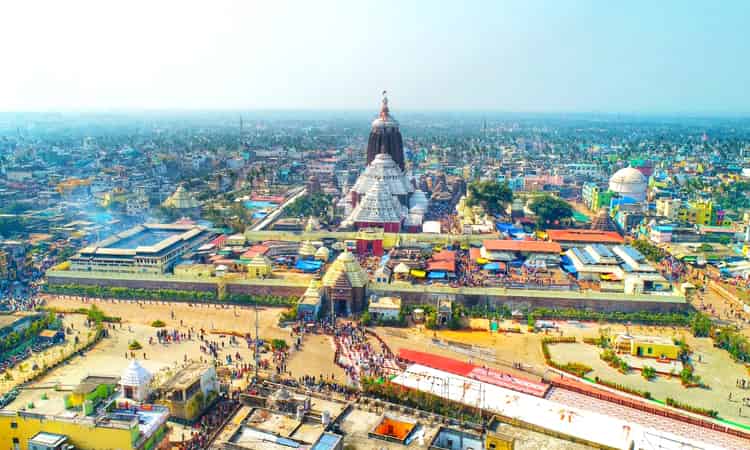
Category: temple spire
<point>384,106</point>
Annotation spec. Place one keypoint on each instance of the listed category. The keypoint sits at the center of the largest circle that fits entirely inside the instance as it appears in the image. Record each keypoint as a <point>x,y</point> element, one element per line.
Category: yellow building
<point>670,208</point>
<point>16,428</point>
<point>497,440</point>
<point>700,212</point>
<point>259,267</point>
<point>648,346</point>
<point>121,432</point>
<point>193,270</point>
<point>3,265</point>
<point>190,391</point>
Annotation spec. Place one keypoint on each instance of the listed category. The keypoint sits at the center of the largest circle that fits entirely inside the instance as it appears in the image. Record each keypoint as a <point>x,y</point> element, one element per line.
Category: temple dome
<point>419,199</point>
<point>385,136</point>
<point>135,375</point>
<point>378,206</point>
<point>306,249</point>
<point>181,199</point>
<point>629,182</point>
<point>345,264</point>
<point>384,168</point>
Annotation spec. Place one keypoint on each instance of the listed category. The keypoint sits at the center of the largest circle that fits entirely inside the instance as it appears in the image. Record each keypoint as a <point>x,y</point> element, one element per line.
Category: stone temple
<point>385,136</point>
<point>384,195</point>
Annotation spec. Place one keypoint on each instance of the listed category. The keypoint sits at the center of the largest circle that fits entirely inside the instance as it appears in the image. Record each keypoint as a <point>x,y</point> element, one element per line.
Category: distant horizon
<point>536,56</point>
<point>373,112</point>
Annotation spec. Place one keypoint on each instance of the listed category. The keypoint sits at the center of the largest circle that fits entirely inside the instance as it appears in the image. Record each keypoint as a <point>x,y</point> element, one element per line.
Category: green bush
<point>701,325</point>
<point>158,324</point>
<point>622,387</point>
<point>134,345</point>
<point>125,293</point>
<point>279,344</point>
<point>693,409</point>
<point>648,372</point>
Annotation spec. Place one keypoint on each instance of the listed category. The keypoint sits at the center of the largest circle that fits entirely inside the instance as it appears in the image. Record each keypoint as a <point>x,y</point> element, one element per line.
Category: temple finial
<point>384,106</point>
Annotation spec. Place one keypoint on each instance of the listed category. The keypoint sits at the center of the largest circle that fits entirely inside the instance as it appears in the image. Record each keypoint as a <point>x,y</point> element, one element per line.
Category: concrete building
<point>190,391</point>
<point>148,248</point>
<point>384,308</point>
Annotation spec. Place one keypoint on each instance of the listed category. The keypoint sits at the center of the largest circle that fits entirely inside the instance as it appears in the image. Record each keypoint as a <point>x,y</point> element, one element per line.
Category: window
<point>14,425</point>
<point>650,350</point>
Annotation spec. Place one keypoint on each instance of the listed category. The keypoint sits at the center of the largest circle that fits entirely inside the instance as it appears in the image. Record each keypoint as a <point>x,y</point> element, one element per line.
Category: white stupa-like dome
<point>383,168</point>
<point>135,375</point>
<point>629,182</point>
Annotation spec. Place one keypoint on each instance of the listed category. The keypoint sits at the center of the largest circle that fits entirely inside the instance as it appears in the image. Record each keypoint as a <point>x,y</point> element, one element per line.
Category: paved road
<point>269,219</point>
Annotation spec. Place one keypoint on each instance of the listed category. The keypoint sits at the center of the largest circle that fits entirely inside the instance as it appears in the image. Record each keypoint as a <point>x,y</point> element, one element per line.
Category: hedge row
<point>125,293</point>
<point>622,387</point>
<point>693,409</point>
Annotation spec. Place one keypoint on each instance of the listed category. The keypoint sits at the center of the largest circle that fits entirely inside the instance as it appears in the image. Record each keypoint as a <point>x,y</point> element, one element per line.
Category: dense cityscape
<point>408,274</point>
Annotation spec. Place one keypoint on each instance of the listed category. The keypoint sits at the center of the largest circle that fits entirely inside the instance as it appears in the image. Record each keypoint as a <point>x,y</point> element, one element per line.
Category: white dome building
<point>134,382</point>
<point>383,168</point>
<point>629,182</point>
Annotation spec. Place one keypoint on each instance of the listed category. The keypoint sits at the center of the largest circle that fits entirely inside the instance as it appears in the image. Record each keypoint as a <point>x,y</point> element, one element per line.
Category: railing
<point>538,293</point>
<point>641,406</point>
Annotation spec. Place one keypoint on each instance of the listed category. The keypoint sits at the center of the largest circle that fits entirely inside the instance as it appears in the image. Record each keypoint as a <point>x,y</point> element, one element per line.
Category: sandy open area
<point>314,358</point>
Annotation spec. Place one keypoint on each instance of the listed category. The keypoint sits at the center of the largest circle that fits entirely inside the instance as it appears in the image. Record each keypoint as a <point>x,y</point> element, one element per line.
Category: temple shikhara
<point>384,196</point>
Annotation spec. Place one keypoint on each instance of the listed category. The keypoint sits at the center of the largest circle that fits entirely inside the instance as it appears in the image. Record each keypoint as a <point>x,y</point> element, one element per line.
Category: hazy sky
<point>557,55</point>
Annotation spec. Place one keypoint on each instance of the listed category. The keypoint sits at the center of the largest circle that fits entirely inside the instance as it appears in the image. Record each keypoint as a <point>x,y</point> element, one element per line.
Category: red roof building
<point>442,261</point>
<point>579,238</point>
<point>510,245</point>
<point>255,250</point>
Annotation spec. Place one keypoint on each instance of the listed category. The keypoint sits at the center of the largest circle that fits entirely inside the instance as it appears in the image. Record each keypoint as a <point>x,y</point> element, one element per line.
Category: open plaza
<point>327,360</point>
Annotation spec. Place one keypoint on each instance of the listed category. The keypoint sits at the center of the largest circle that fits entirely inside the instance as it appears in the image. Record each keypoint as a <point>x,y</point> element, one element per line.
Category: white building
<point>629,182</point>
<point>134,382</point>
<point>385,308</point>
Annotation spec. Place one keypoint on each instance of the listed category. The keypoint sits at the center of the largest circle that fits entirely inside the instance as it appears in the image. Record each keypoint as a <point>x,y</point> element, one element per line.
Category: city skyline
<point>545,57</point>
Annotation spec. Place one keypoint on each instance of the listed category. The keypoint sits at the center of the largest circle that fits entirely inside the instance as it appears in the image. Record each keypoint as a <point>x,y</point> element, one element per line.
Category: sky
<point>636,56</point>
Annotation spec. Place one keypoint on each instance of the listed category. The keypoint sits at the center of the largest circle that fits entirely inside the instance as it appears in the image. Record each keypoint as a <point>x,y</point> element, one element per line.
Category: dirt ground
<point>499,350</point>
<point>314,358</point>
<point>713,365</point>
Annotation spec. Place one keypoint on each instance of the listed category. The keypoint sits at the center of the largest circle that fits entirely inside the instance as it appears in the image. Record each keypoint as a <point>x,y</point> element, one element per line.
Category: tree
<point>550,211</point>
<point>700,325</point>
<point>309,205</point>
<point>493,196</point>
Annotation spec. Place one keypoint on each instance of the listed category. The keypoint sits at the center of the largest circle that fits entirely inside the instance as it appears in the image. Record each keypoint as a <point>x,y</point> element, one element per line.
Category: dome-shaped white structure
<point>378,206</point>
<point>134,382</point>
<point>383,168</point>
<point>629,182</point>
<point>418,199</point>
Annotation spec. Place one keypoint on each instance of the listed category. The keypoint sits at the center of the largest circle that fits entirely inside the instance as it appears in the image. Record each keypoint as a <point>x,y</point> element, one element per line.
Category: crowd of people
<point>206,428</point>
<point>359,357</point>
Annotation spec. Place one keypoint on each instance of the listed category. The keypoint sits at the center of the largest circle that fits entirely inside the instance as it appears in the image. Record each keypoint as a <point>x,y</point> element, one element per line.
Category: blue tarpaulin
<point>308,265</point>
<point>491,266</point>
<point>569,268</point>
<point>436,275</point>
<point>507,228</point>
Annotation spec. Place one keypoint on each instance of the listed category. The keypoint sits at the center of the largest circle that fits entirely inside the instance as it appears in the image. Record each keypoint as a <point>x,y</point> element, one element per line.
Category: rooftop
<point>48,439</point>
<point>90,383</point>
<point>185,376</point>
<point>585,236</point>
<point>146,238</point>
<point>510,245</point>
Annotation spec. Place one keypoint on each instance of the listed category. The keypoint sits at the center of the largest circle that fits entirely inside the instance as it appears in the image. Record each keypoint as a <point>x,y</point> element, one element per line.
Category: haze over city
<point>535,56</point>
<point>351,225</point>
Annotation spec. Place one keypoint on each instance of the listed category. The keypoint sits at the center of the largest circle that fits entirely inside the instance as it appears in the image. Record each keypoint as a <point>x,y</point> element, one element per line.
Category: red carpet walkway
<point>486,375</point>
